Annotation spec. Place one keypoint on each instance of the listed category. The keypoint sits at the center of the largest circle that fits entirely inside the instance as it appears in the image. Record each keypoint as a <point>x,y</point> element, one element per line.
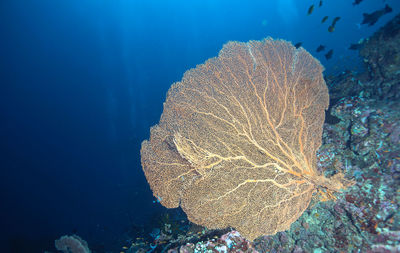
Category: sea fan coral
<point>236,143</point>
<point>72,244</point>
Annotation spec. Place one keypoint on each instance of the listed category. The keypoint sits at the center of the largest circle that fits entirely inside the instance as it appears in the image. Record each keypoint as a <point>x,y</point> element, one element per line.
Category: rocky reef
<point>381,57</point>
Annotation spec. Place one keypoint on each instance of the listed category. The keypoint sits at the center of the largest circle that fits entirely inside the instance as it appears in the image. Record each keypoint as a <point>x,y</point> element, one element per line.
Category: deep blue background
<point>81,82</point>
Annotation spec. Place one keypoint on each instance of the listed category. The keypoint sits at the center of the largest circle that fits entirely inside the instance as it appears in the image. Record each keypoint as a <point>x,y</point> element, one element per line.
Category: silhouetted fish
<point>355,46</point>
<point>329,54</point>
<point>331,28</point>
<point>324,19</point>
<point>373,17</point>
<point>310,10</point>
<point>320,48</point>
<point>320,3</point>
<point>335,20</point>
<point>298,44</point>
<point>357,2</point>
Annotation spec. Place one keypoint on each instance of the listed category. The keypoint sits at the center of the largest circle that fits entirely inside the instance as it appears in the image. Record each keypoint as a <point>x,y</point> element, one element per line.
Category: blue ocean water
<point>82,82</point>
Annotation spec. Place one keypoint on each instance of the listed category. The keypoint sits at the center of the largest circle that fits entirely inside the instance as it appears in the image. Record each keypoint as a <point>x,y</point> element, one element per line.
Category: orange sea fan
<point>236,143</point>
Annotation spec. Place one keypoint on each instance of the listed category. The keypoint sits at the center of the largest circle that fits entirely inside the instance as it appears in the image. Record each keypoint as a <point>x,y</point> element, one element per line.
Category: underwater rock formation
<point>236,143</point>
<point>381,56</point>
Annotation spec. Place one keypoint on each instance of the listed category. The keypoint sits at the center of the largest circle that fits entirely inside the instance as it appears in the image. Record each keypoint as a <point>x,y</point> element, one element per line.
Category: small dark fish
<point>320,3</point>
<point>356,46</point>
<point>335,20</point>
<point>324,19</point>
<point>331,28</point>
<point>320,48</point>
<point>298,44</point>
<point>357,2</point>
<point>329,54</point>
<point>373,17</point>
<point>310,10</point>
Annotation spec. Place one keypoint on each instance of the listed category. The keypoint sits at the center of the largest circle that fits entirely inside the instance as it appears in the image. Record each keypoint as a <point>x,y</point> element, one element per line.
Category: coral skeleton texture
<point>236,143</point>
